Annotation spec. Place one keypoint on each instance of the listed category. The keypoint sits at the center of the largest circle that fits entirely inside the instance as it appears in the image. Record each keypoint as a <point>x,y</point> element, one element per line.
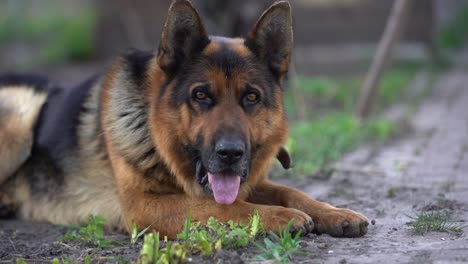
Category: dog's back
<point>44,167</point>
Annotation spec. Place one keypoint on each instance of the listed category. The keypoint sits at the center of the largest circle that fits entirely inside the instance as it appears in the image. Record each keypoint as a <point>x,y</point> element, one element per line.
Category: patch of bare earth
<point>425,170</point>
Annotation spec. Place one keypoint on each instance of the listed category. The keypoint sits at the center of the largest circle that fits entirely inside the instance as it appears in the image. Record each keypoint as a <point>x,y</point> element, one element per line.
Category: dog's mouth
<point>224,185</point>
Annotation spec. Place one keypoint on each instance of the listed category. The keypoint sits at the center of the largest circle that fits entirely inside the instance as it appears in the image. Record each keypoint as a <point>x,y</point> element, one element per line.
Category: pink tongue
<point>225,187</point>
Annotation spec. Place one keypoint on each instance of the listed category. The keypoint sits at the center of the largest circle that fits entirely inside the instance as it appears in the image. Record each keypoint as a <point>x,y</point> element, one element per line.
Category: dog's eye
<point>202,97</point>
<point>251,98</point>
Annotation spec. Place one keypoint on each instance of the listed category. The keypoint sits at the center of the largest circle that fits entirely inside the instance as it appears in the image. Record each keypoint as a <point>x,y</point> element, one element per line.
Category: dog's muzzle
<point>222,170</point>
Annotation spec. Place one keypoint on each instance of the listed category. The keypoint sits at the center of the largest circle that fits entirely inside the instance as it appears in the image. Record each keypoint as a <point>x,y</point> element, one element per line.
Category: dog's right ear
<point>183,36</point>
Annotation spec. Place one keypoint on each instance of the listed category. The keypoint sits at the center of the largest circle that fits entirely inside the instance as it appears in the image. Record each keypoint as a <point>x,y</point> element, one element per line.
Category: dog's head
<point>218,117</point>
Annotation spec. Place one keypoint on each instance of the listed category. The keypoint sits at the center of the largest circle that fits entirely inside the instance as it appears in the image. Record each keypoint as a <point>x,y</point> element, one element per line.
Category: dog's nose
<point>230,150</point>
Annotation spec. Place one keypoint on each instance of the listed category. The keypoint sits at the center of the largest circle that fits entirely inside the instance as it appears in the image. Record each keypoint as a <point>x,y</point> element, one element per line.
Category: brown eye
<point>251,97</point>
<point>200,95</point>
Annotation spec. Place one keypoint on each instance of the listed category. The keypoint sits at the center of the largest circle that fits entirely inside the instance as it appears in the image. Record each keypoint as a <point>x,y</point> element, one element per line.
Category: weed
<point>93,233</point>
<point>380,129</point>
<point>440,221</point>
<point>391,193</point>
<point>135,234</point>
<point>401,165</point>
<point>20,261</point>
<point>216,235</point>
<point>121,260</point>
<point>151,252</point>
<point>206,240</point>
<point>67,260</point>
<point>283,248</point>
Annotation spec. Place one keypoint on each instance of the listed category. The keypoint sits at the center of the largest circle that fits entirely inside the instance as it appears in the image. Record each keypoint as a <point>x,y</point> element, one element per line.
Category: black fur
<point>39,83</point>
<point>138,62</point>
<point>56,129</point>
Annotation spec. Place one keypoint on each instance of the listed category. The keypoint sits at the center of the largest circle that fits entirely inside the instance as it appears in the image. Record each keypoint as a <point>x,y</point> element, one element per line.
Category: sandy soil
<point>425,169</point>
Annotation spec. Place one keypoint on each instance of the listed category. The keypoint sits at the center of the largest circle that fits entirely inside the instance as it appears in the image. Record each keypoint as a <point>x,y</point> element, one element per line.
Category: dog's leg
<point>328,219</point>
<point>167,213</point>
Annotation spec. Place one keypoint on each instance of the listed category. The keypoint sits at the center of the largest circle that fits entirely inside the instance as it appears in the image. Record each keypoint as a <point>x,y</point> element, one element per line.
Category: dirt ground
<point>424,169</point>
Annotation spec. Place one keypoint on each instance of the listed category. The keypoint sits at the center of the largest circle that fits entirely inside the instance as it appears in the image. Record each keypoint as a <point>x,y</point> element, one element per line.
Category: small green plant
<point>216,235</point>
<point>20,261</point>
<point>67,260</point>
<point>283,248</point>
<point>206,240</point>
<point>391,193</point>
<point>135,234</point>
<point>93,232</point>
<point>440,221</point>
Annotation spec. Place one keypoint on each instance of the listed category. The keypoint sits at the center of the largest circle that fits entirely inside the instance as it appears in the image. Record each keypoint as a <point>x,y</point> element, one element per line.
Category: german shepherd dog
<point>192,127</point>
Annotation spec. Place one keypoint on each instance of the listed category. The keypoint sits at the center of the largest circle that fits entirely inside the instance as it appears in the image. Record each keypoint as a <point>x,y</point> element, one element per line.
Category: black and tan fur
<point>137,142</point>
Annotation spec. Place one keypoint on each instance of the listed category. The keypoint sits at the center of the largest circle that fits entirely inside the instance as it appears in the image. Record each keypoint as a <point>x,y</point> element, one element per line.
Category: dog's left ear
<point>284,158</point>
<point>183,36</point>
<point>271,39</point>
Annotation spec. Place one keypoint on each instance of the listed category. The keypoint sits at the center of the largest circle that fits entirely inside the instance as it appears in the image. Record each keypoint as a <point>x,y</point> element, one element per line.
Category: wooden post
<point>390,36</point>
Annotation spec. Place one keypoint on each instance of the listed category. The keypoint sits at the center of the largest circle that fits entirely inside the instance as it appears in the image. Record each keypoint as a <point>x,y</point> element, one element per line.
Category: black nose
<point>230,150</point>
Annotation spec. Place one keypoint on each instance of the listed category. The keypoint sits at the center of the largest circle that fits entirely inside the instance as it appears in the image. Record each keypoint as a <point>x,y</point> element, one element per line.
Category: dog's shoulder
<point>125,109</point>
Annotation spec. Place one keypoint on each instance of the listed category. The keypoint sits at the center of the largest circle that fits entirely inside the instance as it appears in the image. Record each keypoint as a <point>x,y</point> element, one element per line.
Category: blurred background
<point>335,41</point>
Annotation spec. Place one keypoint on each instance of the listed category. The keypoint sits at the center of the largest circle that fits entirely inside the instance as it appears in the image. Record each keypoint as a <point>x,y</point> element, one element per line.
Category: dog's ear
<point>284,158</point>
<point>271,39</point>
<point>183,36</point>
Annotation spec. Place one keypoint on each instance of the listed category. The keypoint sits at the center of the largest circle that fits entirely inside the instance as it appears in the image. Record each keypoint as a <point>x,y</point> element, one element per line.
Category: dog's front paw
<point>339,222</point>
<point>279,217</point>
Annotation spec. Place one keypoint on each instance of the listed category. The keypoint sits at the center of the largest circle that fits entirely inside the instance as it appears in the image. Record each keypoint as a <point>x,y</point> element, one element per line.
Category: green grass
<point>92,233</point>
<point>453,35</point>
<point>60,36</point>
<point>206,240</point>
<point>216,235</point>
<point>316,144</point>
<point>391,193</point>
<point>440,221</point>
<point>195,239</point>
<point>135,235</point>
<point>331,129</point>
<point>282,248</point>
<point>324,94</point>
<point>20,261</point>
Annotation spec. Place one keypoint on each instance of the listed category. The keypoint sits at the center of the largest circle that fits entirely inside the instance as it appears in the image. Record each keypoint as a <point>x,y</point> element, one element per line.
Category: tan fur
<point>19,108</point>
